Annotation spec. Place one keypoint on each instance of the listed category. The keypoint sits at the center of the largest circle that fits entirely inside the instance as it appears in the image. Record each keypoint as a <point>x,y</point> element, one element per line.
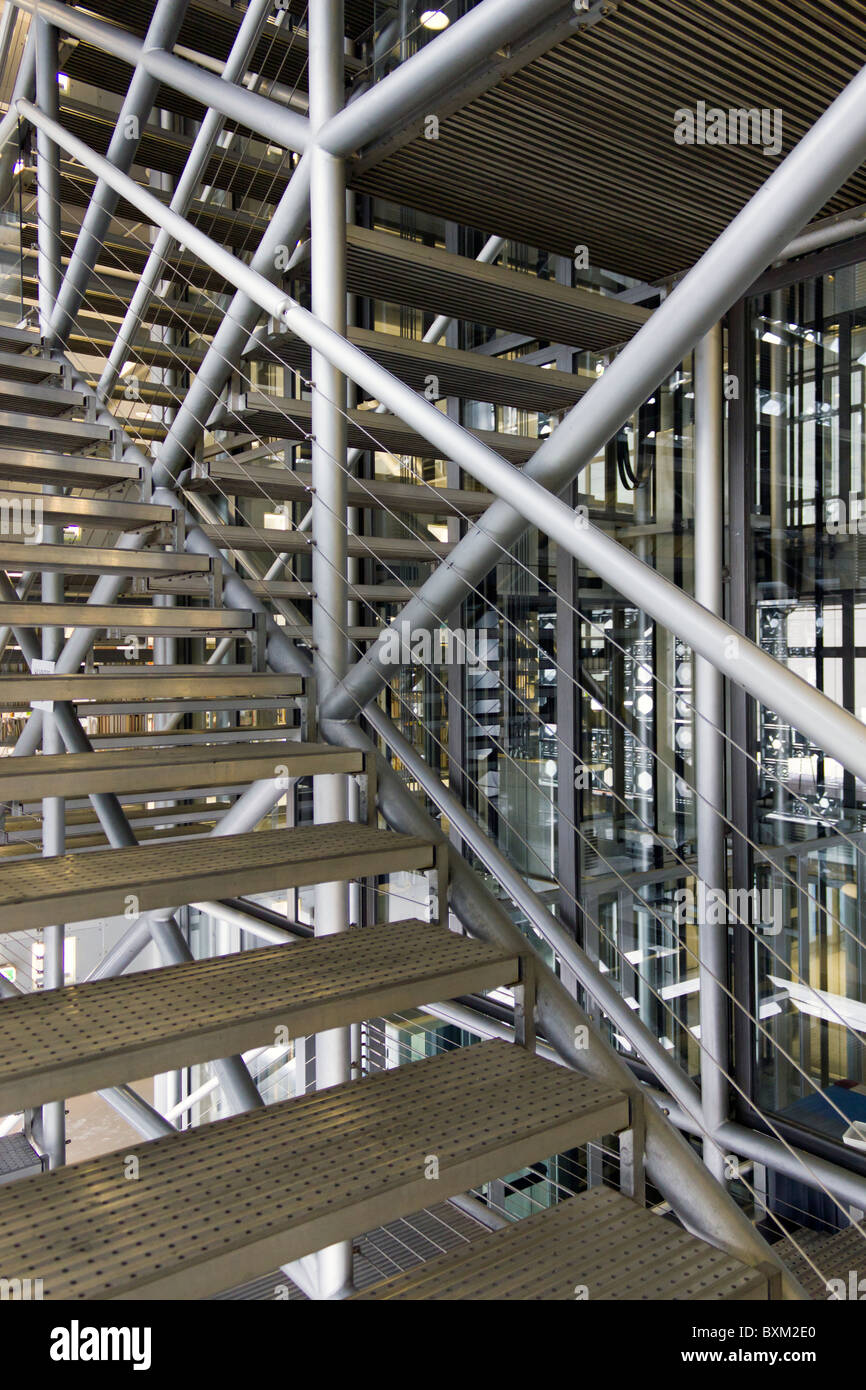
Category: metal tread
<point>284,418</point>
<point>170,769</point>
<point>282,588</point>
<point>250,479</point>
<point>225,1202</point>
<point>65,470</point>
<point>144,683</point>
<point>274,541</point>
<point>29,430</point>
<point>87,559</point>
<point>469,375</point>
<point>21,367</point>
<point>90,511</point>
<point>601,1241</point>
<point>102,883</point>
<point>129,618</point>
<point>67,1042</point>
<point>40,399</point>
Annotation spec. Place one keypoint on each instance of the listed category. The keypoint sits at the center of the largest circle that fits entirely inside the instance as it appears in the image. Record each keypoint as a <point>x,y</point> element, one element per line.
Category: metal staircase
<point>202,711</point>
<point>361,1151</point>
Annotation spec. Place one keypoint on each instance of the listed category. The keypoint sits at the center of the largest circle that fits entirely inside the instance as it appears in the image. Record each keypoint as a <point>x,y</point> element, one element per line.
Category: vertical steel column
<point>48,276</point>
<point>709,741</point>
<point>329,519</point>
<point>47,176</point>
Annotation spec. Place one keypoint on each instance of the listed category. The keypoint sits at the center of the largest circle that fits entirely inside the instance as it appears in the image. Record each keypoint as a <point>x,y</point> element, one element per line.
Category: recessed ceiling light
<point>434,19</point>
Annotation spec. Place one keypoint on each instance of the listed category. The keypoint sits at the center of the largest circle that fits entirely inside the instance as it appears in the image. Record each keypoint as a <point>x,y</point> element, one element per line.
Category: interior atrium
<point>433,469</point>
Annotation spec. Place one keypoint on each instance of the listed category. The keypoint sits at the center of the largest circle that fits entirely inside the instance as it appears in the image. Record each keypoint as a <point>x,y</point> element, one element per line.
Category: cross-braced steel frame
<point>347,694</point>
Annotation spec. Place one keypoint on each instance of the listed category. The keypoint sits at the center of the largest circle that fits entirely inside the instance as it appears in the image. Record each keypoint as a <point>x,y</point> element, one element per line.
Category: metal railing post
<point>329,523</point>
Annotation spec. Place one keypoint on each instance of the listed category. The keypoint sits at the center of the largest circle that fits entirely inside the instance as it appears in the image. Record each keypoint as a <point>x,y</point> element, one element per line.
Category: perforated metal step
<point>217,1205</point>
<point>600,1245</point>
<point>170,769</point>
<point>21,367</point>
<point>66,1042</point>
<point>109,883</point>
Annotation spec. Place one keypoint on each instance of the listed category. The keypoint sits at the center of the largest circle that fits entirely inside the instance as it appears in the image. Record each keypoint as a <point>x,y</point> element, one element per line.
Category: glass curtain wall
<point>807,341</point>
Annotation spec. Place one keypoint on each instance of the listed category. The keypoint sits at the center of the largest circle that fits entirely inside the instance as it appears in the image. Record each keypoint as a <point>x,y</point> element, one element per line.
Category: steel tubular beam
<point>608,997</point>
<point>710,741</point>
<point>222,357</point>
<point>831,727</point>
<point>822,161</point>
<point>427,74</point>
<point>275,123</point>
<point>49,244</point>
<point>163,30</point>
<point>203,146</point>
<point>25,86</point>
<point>329,516</point>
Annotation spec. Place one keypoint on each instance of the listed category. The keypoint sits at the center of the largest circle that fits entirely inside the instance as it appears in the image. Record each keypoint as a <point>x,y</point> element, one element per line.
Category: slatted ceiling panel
<point>592,123</point>
<point>192,765</point>
<point>471,375</point>
<point>209,1209</point>
<point>600,1240</point>
<point>80,887</point>
<point>83,1038</point>
<point>381,264</point>
<point>292,420</point>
